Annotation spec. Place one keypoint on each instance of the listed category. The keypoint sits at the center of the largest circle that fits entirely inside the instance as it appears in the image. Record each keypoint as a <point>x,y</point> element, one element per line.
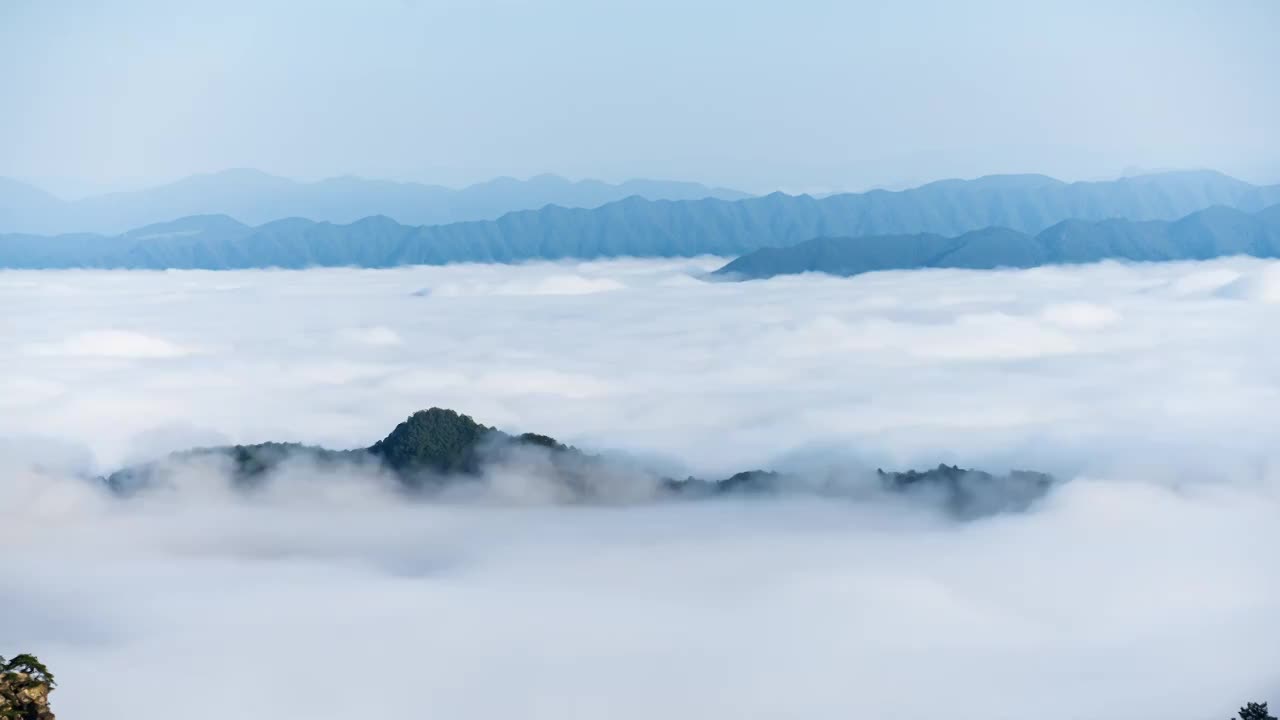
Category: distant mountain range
<point>439,451</point>
<point>254,198</point>
<point>646,228</point>
<point>1215,232</point>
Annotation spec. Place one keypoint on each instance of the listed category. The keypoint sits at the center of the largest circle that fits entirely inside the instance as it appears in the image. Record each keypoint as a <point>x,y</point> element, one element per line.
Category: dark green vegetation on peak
<point>1210,233</point>
<point>972,492</point>
<point>425,448</point>
<point>634,226</point>
<point>439,450</point>
<point>435,440</point>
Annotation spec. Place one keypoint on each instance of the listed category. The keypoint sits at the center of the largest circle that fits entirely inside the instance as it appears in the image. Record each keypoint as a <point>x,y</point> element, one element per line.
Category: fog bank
<point>1144,586</point>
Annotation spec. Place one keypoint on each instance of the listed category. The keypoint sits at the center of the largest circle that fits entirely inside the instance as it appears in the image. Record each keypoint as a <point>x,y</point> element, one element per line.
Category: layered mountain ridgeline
<point>639,227</point>
<point>25,684</point>
<point>440,451</point>
<point>255,197</point>
<point>1211,233</point>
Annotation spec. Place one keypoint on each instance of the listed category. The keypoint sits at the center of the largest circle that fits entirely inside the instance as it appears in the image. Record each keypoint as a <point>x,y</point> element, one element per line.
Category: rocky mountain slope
<point>25,684</point>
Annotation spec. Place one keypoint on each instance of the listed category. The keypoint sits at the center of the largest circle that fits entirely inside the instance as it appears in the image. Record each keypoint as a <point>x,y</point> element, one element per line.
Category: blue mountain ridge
<point>646,228</point>
<point>1214,232</point>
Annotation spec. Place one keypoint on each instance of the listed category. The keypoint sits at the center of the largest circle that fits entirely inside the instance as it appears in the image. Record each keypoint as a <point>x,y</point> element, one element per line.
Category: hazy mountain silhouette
<point>255,197</point>
<point>19,202</point>
<point>646,228</point>
<point>1215,232</point>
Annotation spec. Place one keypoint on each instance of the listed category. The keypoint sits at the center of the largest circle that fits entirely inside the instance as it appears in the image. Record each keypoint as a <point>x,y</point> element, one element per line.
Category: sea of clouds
<point>1145,587</point>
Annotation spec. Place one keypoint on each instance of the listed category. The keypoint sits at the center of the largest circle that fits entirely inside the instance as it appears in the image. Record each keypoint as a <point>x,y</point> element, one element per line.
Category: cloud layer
<point>1144,587</point>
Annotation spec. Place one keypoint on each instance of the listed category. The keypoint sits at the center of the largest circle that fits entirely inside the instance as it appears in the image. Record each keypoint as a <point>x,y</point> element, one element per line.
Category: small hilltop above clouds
<point>439,452</point>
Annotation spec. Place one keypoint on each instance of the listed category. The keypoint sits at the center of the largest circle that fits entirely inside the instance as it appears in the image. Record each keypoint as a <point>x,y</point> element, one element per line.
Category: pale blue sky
<point>801,95</point>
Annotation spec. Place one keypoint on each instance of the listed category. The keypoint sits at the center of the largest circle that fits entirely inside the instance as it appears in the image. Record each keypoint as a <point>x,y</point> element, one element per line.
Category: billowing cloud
<point>1143,587</point>
<point>1259,285</point>
<point>561,284</point>
<point>110,344</point>
<point>377,335</point>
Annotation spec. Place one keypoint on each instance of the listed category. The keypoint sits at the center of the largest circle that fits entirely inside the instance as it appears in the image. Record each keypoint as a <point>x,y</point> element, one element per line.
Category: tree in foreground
<point>1256,711</point>
<point>25,684</point>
